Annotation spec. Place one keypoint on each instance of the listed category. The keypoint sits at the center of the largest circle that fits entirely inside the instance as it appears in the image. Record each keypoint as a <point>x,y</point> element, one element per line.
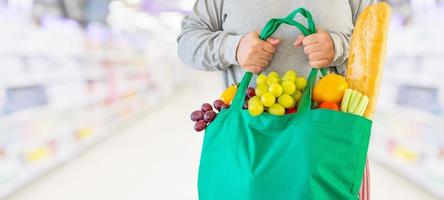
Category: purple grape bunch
<point>250,93</point>
<point>207,114</point>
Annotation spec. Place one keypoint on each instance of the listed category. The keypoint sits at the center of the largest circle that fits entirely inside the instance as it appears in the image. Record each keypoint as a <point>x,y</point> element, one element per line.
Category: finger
<point>264,55</point>
<point>321,31</point>
<point>268,47</point>
<point>320,63</point>
<point>273,41</point>
<point>319,56</point>
<point>260,62</point>
<point>311,39</point>
<point>298,42</point>
<point>254,69</point>
<point>309,49</point>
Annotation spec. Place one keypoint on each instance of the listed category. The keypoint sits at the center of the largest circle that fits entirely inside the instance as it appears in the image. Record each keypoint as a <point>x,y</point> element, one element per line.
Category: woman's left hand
<point>318,47</point>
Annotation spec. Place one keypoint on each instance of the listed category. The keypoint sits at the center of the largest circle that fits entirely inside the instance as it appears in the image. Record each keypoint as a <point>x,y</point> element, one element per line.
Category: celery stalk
<point>362,105</point>
<point>346,100</point>
<point>367,101</point>
<point>352,99</point>
<point>355,103</point>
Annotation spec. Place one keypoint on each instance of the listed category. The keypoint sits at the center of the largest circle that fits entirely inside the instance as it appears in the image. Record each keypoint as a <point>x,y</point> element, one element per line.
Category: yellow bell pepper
<point>331,88</point>
<point>228,95</point>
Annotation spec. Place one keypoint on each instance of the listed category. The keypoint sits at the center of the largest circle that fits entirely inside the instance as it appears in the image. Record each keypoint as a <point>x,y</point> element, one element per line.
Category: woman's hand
<point>254,54</point>
<point>318,47</point>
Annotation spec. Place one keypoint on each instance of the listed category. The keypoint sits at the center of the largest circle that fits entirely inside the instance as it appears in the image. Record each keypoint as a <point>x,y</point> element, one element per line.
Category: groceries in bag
<point>332,93</point>
<point>276,95</point>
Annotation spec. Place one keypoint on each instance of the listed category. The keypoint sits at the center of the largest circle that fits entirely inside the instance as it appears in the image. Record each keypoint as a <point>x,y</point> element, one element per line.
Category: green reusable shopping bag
<point>312,154</point>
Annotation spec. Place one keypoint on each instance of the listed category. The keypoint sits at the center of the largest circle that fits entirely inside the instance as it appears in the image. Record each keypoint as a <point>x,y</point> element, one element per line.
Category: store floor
<point>156,158</point>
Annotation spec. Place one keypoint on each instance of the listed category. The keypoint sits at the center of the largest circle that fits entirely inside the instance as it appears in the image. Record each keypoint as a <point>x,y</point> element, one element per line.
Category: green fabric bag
<point>312,154</point>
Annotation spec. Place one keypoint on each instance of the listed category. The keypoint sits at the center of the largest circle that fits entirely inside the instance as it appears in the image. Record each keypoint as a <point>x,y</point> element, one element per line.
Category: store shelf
<point>29,174</point>
<point>413,173</point>
<point>90,81</point>
<point>410,141</point>
<point>408,133</point>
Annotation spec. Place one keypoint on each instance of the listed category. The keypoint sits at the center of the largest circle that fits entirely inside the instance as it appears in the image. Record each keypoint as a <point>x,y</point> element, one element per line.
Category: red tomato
<point>291,111</point>
<point>329,105</point>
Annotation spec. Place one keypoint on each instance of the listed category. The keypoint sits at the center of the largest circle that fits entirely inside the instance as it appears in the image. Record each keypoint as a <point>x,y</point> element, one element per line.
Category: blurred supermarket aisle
<point>158,159</point>
<point>74,72</point>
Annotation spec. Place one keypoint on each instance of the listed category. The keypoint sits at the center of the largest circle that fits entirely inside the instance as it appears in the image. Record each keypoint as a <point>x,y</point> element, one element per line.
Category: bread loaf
<point>367,52</point>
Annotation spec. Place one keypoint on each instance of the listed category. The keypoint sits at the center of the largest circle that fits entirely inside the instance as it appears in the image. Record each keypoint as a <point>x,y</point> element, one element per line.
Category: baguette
<point>367,53</point>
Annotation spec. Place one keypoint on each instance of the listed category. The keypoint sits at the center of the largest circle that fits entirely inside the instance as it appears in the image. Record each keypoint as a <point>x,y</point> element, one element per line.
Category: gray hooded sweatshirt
<point>211,34</point>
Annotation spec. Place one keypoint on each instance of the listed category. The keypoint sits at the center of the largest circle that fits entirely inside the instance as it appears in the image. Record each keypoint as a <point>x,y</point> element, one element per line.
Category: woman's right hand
<point>254,54</point>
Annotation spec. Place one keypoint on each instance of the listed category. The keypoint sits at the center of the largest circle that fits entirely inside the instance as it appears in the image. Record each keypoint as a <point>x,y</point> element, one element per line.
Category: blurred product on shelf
<point>66,85</point>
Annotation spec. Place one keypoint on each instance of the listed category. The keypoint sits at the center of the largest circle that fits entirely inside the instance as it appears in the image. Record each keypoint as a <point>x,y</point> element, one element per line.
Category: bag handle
<point>305,103</point>
<point>266,32</point>
<point>275,23</point>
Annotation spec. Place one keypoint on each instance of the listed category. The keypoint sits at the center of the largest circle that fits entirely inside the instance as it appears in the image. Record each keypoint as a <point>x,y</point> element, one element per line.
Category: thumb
<point>298,41</point>
<point>274,41</point>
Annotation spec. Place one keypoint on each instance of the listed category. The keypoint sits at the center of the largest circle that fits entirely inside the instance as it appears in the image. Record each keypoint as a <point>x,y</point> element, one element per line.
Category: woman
<point>223,35</point>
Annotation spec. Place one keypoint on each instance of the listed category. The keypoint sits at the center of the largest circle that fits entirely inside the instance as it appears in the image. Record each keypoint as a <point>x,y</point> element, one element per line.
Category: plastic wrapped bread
<point>367,52</point>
